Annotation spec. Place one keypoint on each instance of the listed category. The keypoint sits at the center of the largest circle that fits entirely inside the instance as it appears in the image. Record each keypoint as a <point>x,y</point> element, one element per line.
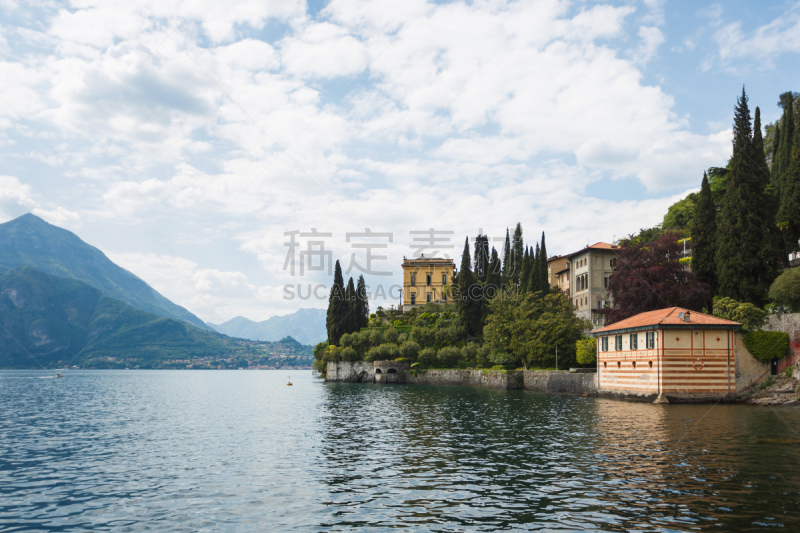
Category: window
<point>413,299</point>
<point>650,339</point>
<point>605,282</point>
<point>613,263</point>
<point>429,297</point>
<point>618,343</point>
<point>604,344</point>
<point>633,364</point>
<point>413,279</point>
<point>428,279</point>
<point>444,279</point>
<point>634,341</point>
<point>650,363</point>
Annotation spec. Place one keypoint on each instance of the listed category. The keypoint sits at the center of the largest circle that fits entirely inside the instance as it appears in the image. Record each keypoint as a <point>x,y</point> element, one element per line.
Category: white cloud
<point>470,115</point>
<point>762,46</point>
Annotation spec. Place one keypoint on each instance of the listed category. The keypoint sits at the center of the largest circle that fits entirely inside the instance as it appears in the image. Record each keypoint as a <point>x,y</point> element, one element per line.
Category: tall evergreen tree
<point>545,280</point>
<point>469,302</point>
<point>362,304</point>
<point>507,260</point>
<point>517,253</point>
<point>788,217</point>
<point>743,258</point>
<point>338,307</point>
<point>495,276</point>
<point>527,262</point>
<point>536,272</point>
<point>350,316</point>
<point>704,238</point>
<point>481,258</point>
<point>773,244</point>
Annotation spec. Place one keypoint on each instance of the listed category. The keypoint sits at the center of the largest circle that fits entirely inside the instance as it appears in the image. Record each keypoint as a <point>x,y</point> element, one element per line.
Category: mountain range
<point>30,241</point>
<point>63,302</point>
<point>305,325</point>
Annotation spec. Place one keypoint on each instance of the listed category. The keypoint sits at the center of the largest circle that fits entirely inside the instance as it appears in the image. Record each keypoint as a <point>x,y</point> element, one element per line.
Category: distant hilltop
<point>305,326</point>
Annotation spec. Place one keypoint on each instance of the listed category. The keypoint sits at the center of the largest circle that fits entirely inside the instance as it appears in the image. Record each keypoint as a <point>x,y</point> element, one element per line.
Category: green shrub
<point>747,314</point>
<point>469,352</point>
<point>390,335</point>
<point>319,350</point>
<point>448,356</point>
<point>380,312</point>
<point>786,289</point>
<point>403,337</point>
<point>347,339</point>
<point>410,350</point>
<point>427,357</point>
<point>332,355</point>
<point>504,367</point>
<point>482,356</point>
<point>375,337</point>
<point>500,357</point>
<point>348,353</point>
<point>586,351</point>
<point>423,336</point>
<point>767,345</point>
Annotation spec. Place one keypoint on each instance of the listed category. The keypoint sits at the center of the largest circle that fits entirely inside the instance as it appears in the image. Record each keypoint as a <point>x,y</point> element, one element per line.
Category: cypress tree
<point>704,238</point>
<point>495,274</point>
<point>526,269</point>
<point>470,312</point>
<point>507,260</point>
<point>350,316</point>
<point>362,304</point>
<point>517,254</point>
<point>481,257</point>
<point>337,307</point>
<point>788,212</point>
<point>543,265</point>
<point>535,274</point>
<point>742,256</point>
<point>773,245</point>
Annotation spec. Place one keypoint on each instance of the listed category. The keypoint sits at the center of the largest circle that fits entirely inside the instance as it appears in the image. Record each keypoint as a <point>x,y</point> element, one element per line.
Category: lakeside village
<point>705,306</point>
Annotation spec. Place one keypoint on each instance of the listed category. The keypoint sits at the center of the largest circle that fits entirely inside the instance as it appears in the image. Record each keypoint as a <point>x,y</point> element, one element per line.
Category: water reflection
<point>459,458</point>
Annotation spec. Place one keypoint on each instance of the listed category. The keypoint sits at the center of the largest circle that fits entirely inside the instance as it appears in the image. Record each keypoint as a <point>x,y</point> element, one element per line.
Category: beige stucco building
<point>427,280</point>
<point>589,272</point>
<point>675,354</point>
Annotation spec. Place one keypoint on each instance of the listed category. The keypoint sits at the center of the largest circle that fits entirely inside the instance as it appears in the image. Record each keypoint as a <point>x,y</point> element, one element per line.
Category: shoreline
<point>782,390</point>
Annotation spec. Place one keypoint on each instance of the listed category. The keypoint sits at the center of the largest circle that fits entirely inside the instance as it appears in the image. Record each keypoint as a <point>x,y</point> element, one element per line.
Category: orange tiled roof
<point>669,317</point>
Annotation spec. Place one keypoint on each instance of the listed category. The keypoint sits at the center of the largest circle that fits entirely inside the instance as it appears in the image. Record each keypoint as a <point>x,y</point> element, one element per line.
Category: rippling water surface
<point>241,451</point>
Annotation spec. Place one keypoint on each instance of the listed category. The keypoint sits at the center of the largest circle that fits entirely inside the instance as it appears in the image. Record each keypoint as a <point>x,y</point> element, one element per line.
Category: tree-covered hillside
<point>29,240</point>
<point>49,321</point>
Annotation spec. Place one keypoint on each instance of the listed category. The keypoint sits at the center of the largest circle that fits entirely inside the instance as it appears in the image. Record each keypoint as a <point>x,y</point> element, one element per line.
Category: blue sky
<point>185,138</point>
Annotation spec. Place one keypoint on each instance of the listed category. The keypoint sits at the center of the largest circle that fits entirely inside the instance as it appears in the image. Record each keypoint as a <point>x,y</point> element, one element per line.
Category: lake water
<point>241,451</point>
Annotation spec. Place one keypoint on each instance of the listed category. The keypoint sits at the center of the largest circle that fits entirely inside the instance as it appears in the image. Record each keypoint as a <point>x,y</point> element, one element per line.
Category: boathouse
<point>674,354</point>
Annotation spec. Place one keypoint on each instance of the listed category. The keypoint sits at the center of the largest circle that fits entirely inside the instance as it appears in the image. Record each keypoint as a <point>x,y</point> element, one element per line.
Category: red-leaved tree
<point>649,276</point>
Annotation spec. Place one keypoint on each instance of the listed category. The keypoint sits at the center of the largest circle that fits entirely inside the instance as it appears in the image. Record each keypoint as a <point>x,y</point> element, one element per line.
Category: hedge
<point>401,329</point>
<point>767,346</point>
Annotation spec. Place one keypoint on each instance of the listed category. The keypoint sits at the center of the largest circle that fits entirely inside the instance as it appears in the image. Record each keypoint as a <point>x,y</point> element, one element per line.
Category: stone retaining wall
<point>539,380</point>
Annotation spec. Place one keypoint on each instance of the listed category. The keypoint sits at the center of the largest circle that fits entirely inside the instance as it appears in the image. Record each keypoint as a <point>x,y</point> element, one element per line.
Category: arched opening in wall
<point>378,371</point>
<point>605,365</point>
<point>633,363</point>
<point>619,365</point>
<point>391,371</point>
<point>650,363</point>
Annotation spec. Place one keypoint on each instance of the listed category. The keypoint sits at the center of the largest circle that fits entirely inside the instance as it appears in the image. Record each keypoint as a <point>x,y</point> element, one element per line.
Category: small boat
<point>59,375</point>
<point>289,383</point>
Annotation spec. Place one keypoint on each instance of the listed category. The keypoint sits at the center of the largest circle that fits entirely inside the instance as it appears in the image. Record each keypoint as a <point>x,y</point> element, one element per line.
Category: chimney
<point>686,317</point>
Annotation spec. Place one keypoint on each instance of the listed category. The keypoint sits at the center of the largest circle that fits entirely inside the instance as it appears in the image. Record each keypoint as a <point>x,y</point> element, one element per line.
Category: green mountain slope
<point>49,321</point>
<point>29,240</point>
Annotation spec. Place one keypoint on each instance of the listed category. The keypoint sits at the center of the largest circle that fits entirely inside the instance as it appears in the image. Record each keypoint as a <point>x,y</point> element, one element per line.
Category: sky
<point>193,141</point>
